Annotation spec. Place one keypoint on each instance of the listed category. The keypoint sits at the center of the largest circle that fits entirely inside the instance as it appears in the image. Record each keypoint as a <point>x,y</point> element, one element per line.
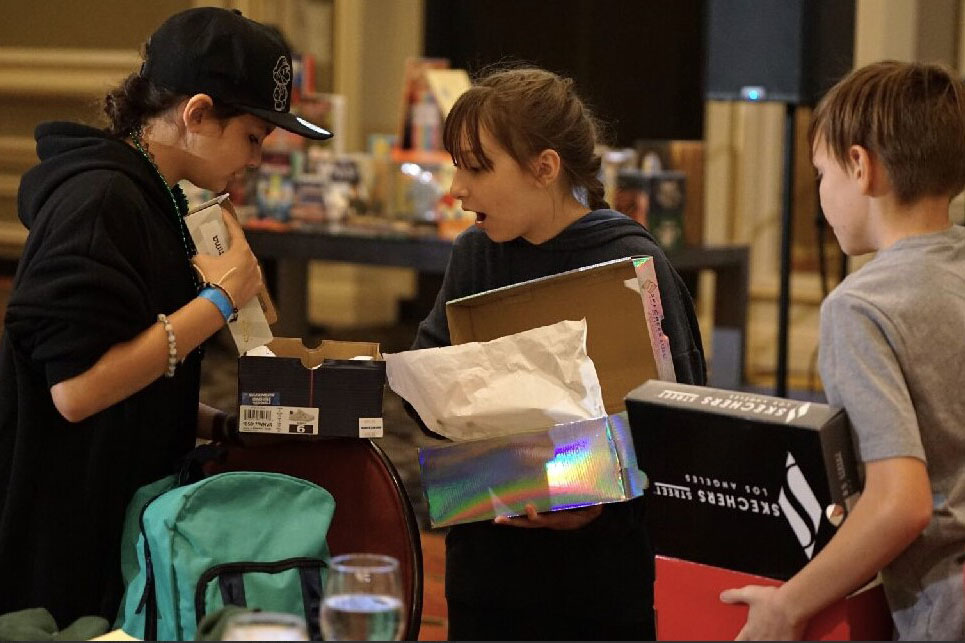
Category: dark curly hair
<point>137,99</point>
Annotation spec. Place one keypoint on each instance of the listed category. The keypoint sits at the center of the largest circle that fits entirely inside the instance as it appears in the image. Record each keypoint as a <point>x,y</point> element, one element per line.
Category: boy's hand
<point>565,519</point>
<point>767,619</point>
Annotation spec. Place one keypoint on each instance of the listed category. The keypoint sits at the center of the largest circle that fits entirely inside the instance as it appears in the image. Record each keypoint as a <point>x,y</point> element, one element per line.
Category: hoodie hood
<point>596,229</point>
<point>68,149</point>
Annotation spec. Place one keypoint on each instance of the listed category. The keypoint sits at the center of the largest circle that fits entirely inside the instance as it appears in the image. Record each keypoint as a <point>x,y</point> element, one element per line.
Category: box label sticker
<point>259,399</point>
<point>370,427</point>
<point>278,419</point>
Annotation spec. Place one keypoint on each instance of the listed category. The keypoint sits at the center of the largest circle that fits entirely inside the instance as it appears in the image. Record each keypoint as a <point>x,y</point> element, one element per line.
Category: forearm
<point>128,367</point>
<point>882,524</point>
<point>866,542</point>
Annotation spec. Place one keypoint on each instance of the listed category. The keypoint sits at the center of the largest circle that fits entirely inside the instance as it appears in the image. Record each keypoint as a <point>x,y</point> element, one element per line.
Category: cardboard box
<point>570,465</point>
<point>688,607</point>
<point>313,392</point>
<point>619,300</point>
<point>746,482</point>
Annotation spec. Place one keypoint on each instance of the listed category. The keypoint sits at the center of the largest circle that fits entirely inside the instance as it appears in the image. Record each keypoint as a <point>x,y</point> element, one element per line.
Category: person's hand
<point>236,270</point>
<point>767,618</point>
<point>564,519</point>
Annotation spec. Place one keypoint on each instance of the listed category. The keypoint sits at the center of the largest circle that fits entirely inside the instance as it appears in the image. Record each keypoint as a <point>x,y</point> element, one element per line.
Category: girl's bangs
<point>460,136</point>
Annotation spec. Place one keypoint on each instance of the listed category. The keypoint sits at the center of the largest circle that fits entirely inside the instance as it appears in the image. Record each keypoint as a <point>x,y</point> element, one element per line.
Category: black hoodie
<point>603,571</point>
<point>104,256</point>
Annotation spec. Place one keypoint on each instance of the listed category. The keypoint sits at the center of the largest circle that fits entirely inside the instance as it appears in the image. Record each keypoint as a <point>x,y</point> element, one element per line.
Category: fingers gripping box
<point>684,589</point>
<point>251,327</point>
<point>745,482</point>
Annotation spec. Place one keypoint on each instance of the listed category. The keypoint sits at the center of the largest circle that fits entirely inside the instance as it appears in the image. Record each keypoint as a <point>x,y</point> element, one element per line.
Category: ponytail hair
<point>528,110</point>
<point>134,101</point>
<point>129,105</point>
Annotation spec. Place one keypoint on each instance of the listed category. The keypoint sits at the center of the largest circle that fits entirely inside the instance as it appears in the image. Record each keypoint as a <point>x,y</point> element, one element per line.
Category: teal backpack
<point>239,538</point>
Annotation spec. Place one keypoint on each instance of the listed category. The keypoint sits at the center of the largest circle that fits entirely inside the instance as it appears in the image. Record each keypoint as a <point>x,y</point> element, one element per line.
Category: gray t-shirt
<point>892,337</point>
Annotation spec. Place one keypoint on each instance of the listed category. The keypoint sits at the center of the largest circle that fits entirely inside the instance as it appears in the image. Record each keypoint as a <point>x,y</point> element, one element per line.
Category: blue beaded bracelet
<point>219,299</point>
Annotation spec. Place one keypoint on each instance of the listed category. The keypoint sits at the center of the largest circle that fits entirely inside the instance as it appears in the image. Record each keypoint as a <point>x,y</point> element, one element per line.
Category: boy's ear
<point>547,166</point>
<point>862,167</point>
<point>196,109</point>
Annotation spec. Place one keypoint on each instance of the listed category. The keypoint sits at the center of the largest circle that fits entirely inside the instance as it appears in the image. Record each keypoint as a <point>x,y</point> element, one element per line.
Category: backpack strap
<point>148,602</point>
<point>191,467</point>
<point>230,578</point>
<point>312,597</point>
<point>232,586</point>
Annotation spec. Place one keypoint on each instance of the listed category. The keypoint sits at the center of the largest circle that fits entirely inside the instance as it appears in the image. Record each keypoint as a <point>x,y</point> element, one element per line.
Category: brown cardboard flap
<point>333,349</point>
<point>328,349</point>
<point>618,339</point>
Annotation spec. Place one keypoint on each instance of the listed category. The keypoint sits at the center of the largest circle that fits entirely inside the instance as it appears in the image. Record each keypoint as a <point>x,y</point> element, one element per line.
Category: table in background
<point>292,249</point>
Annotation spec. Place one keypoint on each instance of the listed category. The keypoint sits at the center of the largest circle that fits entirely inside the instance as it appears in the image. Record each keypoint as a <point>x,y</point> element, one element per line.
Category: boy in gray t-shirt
<point>888,144</point>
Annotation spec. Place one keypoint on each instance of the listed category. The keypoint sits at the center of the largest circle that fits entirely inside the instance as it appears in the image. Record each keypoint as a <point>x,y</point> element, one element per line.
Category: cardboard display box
<point>688,607</point>
<point>313,392</point>
<point>746,482</point>
<point>619,300</point>
<point>570,465</point>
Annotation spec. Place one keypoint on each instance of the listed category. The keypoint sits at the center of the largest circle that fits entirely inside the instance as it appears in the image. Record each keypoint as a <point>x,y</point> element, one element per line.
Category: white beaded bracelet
<point>172,345</point>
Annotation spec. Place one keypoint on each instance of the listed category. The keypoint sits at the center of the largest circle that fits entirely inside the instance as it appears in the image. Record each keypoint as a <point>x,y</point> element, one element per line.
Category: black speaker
<point>790,51</point>
<point>638,63</point>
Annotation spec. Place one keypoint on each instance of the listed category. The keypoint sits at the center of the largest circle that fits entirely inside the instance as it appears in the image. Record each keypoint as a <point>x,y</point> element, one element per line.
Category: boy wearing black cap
<point>99,361</point>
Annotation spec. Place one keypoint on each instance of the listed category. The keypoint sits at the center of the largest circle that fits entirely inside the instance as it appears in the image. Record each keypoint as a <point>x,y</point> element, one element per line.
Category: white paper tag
<point>370,427</point>
<point>294,420</point>
<point>207,229</point>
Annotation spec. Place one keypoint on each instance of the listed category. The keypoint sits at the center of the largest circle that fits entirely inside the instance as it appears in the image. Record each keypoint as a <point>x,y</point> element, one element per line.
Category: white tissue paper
<point>259,351</point>
<point>524,382</point>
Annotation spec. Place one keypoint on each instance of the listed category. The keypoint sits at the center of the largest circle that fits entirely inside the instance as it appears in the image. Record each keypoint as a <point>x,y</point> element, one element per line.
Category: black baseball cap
<point>236,61</point>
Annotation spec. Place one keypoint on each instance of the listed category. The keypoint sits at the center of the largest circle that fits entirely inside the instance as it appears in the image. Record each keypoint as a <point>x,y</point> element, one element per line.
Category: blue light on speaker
<point>753,93</point>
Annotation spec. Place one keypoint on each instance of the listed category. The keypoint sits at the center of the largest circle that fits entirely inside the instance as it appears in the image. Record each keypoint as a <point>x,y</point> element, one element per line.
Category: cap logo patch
<point>282,76</point>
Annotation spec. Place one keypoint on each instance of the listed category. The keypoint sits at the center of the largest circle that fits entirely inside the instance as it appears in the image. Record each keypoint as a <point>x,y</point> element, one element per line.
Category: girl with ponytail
<point>100,359</point>
<point>523,145</point>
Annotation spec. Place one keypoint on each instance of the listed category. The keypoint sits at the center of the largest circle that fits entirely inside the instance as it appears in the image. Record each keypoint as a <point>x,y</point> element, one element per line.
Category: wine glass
<point>363,599</point>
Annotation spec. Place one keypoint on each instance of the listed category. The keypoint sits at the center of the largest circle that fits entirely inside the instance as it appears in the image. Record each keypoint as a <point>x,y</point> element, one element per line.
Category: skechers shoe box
<point>744,482</point>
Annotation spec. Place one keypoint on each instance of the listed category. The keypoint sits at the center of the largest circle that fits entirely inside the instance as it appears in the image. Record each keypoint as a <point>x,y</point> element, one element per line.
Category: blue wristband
<point>219,299</point>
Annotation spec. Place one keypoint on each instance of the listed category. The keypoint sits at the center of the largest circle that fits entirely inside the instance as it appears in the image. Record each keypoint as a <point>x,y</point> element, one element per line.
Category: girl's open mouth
<point>480,217</point>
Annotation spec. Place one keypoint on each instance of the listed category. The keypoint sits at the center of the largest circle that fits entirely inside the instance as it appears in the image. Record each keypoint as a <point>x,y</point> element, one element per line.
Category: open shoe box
<point>568,465</point>
<point>316,392</point>
<point>619,300</point>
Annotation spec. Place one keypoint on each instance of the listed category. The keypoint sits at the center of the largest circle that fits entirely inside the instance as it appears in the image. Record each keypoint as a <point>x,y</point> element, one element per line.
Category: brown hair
<point>911,116</point>
<point>528,110</point>
<point>137,99</point>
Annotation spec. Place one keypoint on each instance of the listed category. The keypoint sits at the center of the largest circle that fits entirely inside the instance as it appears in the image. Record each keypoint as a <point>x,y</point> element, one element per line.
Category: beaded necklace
<point>178,200</point>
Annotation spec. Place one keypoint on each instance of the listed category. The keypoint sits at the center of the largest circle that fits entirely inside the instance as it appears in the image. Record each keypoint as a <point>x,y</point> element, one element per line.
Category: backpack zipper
<point>149,597</point>
<point>271,568</point>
